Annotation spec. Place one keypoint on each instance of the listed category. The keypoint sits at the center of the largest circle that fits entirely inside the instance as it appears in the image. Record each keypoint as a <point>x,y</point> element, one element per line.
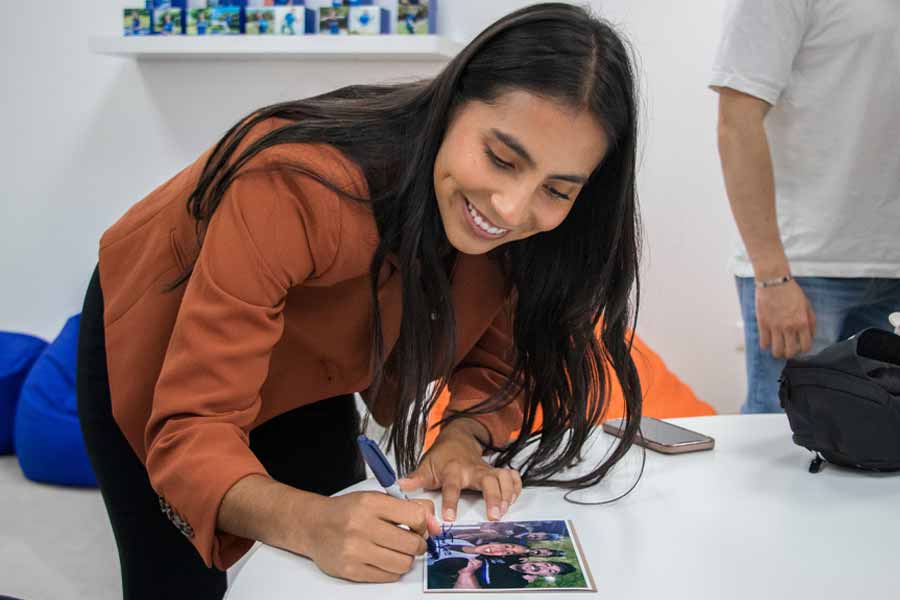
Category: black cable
<point>620,496</point>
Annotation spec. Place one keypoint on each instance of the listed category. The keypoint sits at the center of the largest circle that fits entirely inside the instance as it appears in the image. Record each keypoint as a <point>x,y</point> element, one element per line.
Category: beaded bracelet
<point>773,282</point>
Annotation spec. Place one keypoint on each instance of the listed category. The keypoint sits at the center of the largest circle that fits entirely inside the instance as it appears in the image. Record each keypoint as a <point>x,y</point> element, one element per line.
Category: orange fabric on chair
<point>665,395</point>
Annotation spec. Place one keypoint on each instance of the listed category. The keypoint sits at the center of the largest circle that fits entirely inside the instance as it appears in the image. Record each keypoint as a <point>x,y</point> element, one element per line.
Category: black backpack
<point>844,402</point>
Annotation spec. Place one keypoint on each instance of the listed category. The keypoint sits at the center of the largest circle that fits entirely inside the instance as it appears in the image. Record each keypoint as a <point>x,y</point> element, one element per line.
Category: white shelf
<point>433,48</point>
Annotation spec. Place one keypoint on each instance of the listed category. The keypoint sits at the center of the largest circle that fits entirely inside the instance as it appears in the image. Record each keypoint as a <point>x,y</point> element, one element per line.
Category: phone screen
<point>663,433</point>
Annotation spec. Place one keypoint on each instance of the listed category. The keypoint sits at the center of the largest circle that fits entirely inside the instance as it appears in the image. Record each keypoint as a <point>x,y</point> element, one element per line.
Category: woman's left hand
<point>454,463</point>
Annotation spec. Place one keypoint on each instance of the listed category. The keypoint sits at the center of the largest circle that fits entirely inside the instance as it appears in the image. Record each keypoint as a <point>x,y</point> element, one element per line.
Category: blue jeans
<point>843,308</point>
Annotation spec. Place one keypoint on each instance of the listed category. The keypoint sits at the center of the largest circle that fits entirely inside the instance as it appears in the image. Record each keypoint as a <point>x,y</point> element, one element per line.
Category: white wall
<point>86,136</point>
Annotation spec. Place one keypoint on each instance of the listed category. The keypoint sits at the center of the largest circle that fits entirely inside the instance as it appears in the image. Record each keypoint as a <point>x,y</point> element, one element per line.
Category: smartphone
<point>663,437</point>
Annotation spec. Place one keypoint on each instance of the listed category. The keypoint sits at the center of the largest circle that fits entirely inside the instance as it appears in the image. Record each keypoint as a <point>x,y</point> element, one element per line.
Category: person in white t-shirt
<point>809,138</point>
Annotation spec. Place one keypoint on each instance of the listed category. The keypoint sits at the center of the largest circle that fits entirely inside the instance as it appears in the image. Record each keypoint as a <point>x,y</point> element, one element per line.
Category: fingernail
<point>504,507</point>
<point>495,512</point>
<point>514,498</point>
<point>449,514</point>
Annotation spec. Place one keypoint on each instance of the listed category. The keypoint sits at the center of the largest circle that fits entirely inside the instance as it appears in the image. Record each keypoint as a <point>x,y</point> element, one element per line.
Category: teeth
<point>482,223</point>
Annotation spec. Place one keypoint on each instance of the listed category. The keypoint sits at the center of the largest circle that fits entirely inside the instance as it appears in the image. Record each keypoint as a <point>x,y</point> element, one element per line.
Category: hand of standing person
<point>786,320</point>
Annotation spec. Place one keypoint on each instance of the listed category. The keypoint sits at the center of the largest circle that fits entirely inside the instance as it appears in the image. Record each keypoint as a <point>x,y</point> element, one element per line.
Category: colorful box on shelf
<point>225,20</point>
<point>167,17</point>
<point>334,15</point>
<point>279,17</point>
<point>197,21</point>
<point>259,21</point>
<point>416,17</point>
<point>369,20</point>
<point>271,3</point>
<point>136,21</point>
<point>214,21</point>
<point>167,21</point>
<point>213,17</point>
<point>295,20</point>
<point>334,20</point>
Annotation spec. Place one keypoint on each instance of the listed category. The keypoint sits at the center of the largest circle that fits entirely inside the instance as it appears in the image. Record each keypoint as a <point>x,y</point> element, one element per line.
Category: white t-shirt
<point>831,71</point>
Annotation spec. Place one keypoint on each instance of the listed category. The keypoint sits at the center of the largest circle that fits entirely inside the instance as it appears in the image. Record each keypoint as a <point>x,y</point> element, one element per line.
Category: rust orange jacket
<point>276,315</point>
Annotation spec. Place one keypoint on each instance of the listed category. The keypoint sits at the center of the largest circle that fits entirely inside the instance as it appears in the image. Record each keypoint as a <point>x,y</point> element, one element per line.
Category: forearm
<point>260,508</point>
<point>466,581</point>
<point>469,431</point>
<point>750,184</point>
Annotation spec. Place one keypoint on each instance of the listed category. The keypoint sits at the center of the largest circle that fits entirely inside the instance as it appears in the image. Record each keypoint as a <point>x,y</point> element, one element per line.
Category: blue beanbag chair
<point>49,443</point>
<point>17,354</point>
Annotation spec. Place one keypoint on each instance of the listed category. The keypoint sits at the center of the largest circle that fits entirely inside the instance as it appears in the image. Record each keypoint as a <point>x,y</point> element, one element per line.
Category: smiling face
<point>536,568</point>
<point>499,549</point>
<point>513,168</point>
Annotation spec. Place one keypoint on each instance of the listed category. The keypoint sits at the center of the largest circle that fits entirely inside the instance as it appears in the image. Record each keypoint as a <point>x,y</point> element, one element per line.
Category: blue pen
<point>380,466</point>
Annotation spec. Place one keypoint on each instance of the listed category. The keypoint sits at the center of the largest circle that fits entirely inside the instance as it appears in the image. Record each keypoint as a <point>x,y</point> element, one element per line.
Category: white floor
<point>55,542</point>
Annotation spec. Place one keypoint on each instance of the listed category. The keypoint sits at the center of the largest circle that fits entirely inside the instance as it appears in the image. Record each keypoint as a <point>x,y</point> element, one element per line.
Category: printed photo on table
<point>506,555</point>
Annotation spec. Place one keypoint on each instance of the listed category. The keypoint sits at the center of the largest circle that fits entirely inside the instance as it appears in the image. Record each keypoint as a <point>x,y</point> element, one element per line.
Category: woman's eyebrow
<point>516,146</point>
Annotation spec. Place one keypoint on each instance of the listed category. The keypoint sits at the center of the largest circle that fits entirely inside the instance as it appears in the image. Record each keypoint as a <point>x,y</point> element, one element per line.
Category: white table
<point>745,520</point>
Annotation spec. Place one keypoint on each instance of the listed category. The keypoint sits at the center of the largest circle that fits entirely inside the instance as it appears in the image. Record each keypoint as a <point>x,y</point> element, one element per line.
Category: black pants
<point>156,560</point>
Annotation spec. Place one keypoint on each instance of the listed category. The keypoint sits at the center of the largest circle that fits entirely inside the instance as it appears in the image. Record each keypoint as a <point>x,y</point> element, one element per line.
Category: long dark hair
<point>563,281</point>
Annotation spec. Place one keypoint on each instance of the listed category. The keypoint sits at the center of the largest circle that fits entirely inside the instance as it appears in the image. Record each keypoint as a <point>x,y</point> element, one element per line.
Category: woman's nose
<point>512,206</point>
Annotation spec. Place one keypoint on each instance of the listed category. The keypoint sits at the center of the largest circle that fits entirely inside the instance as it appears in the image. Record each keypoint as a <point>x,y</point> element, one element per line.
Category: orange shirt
<point>663,394</point>
<point>276,315</point>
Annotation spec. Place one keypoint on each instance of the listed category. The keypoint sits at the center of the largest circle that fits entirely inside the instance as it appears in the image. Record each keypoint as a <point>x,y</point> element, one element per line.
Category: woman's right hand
<point>356,536</point>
